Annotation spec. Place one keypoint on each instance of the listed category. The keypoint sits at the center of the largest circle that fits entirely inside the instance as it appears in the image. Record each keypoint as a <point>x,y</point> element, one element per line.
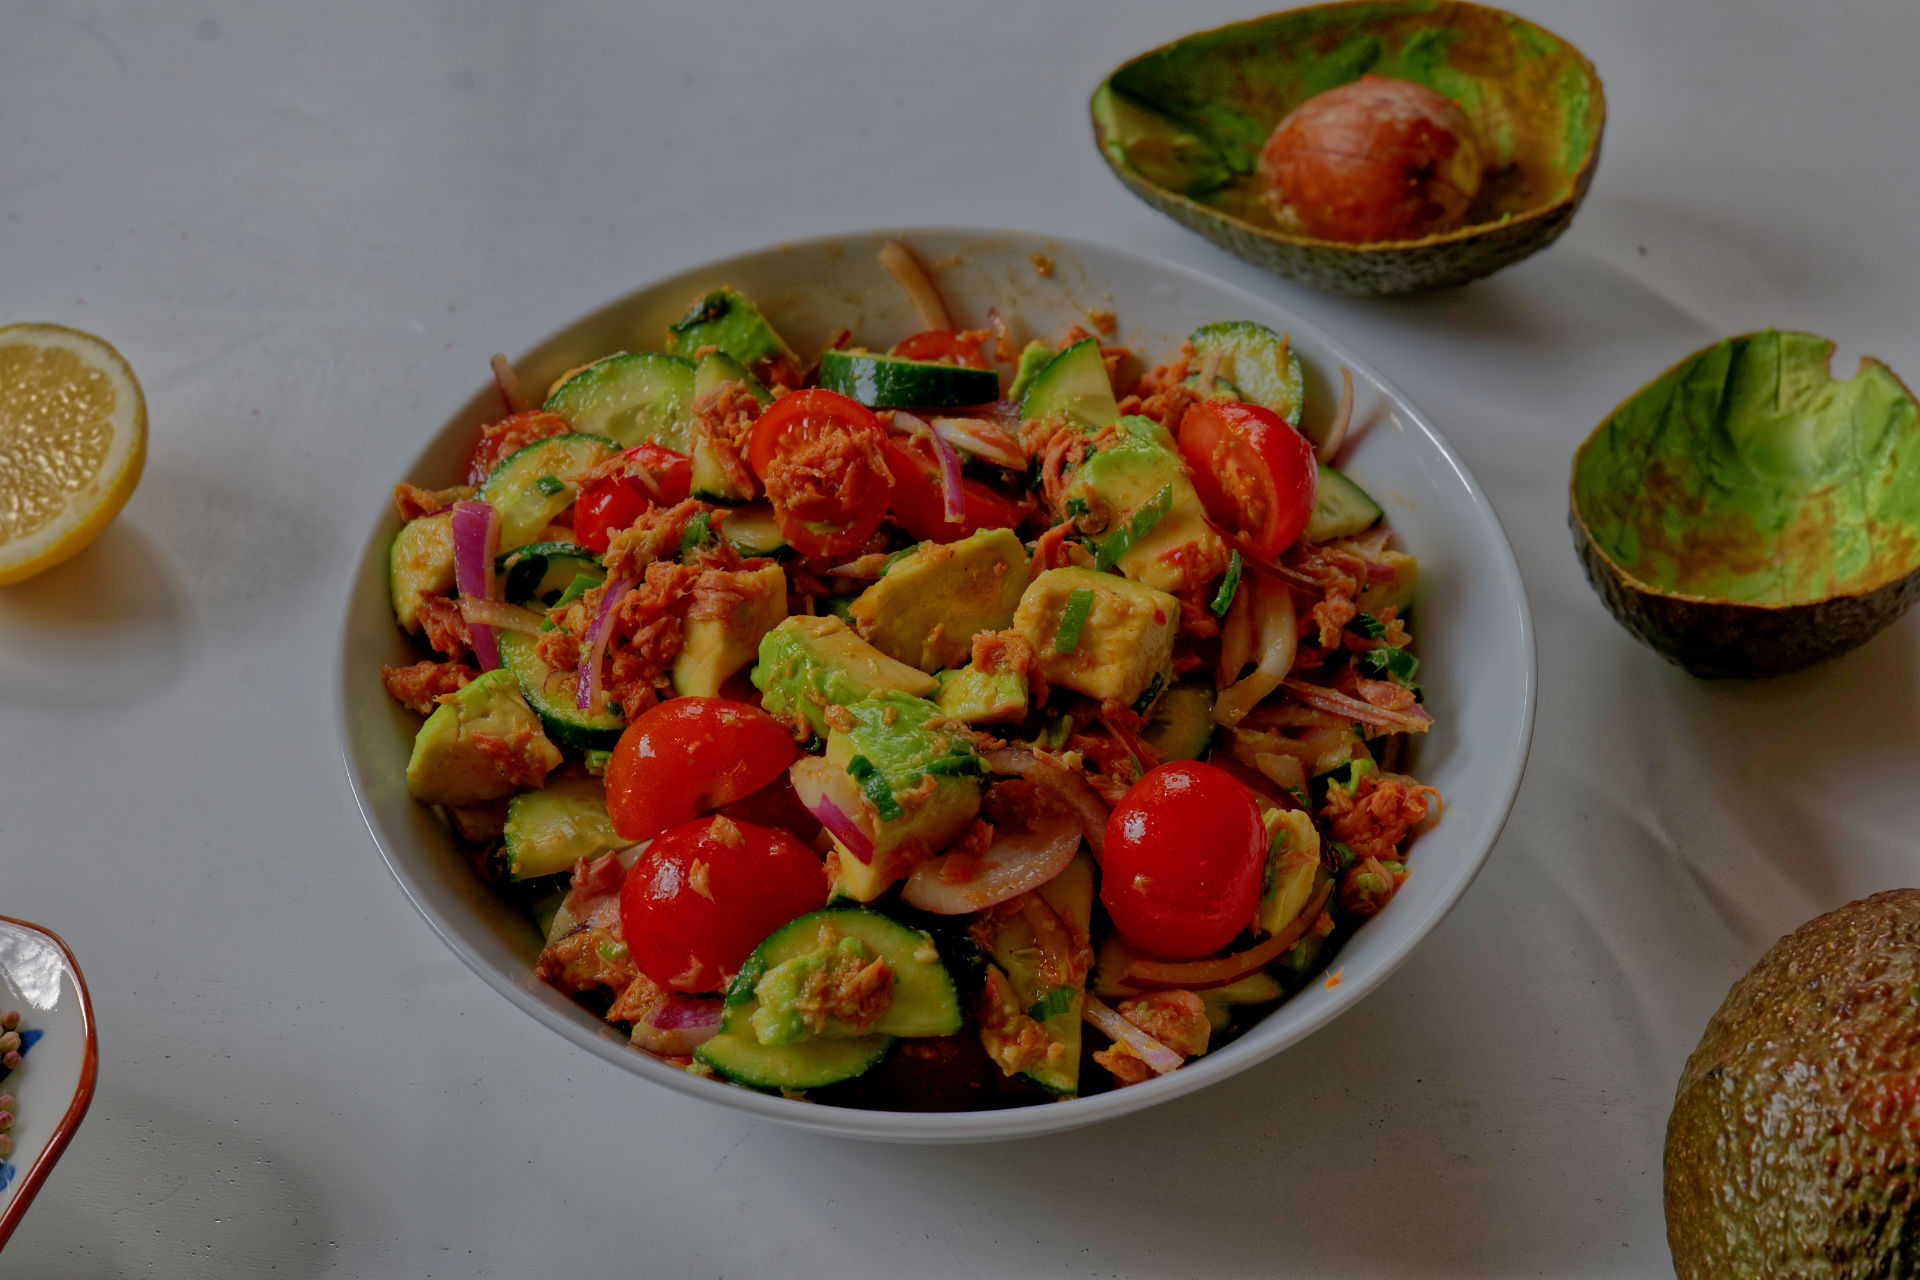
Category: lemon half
<point>73,438</point>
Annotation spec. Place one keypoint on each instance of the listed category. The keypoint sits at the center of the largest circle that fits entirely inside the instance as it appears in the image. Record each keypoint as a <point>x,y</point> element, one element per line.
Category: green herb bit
<point>1229,587</point>
<point>874,785</point>
<point>1073,620</point>
<point>698,533</point>
<point>1075,508</point>
<point>1107,552</point>
<point>549,485</point>
<point>1368,625</point>
<point>1056,1001</point>
<point>1396,665</point>
<point>1153,690</point>
<point>581,584</point>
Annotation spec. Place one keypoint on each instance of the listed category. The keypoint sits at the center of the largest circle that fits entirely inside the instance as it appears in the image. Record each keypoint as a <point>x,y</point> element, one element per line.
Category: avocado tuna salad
<point>953,725</point>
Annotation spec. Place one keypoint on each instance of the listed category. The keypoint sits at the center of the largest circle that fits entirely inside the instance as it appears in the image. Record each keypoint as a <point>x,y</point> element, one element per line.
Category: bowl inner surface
<point>1472,629</point>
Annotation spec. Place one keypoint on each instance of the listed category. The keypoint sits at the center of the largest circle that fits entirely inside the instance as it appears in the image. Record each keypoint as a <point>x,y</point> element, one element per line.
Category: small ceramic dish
<point>59,1058</point>
<point>1475,636</point>
<point>1183,125</point>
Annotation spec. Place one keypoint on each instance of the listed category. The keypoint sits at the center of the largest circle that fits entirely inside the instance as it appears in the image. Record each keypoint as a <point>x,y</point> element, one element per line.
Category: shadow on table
<point>146,1189</point>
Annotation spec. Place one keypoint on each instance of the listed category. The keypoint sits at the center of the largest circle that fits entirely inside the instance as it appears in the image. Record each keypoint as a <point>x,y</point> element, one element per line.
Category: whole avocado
<point>1793,1149</point>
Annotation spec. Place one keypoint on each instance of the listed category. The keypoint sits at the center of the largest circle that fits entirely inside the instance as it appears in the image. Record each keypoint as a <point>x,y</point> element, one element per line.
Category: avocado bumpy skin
<point>1747,513</point>
<point>1793,1149</point>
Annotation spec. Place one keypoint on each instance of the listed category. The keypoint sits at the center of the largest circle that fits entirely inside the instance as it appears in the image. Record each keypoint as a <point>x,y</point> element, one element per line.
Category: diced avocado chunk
<point>1046,980</point>
<point>1182,722</point>
<point>420,565</point>
<point>1034,357</point>
<point>713,648</point>
<point>1293,873</point>
<point>550,829</point>
<point>1394,592</point>
<point>983,697</point>
<point>917,777</point>
<point>932,601</point>
<point>481,744</point>
<point>1125,642</point>
<point>808,664</point>
<point>726,319</point>
<point>1124,477</point>
<point>1073,385</point>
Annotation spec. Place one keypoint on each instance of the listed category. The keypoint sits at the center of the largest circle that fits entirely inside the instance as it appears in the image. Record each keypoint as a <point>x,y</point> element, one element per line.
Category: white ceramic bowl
<point>1473,632</point>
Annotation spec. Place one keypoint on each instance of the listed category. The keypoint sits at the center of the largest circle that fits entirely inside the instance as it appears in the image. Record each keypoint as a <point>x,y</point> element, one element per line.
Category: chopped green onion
<point>1074,507</point>
<point>1392,664</point>
<point>874,785</point>
<point>1229,587</point>
<point>549,485</point>
<point>1368,625</point>
<point>698,533</point>
<point>596,761</point>
<point>581,584</point>
<point>1145,700</point>
<point>1056,1001</point>
<point>1107,552</point>
<point>1073,620</point>
<point>958,766</point>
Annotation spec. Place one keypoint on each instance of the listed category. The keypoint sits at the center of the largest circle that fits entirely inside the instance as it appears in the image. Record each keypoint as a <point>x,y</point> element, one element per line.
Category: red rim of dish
<point>82,1092</point>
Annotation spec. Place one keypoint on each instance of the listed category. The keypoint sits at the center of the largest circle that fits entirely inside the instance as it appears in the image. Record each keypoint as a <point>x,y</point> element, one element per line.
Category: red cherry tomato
<point>918,503</point>
<point>706,893</point>
<point>821,457</point>
<point>671,472</point>
<point>942,346</point>
<point>1256,475</point>
<point>613,502</point>
<point>1185,852</point>
<point>688,755</point>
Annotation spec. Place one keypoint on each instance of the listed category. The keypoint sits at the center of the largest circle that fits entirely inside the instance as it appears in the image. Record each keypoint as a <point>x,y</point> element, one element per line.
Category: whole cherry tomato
<point>1256,475</point>
<point>705,894</point>
<point>941,346</point>
<point>918,505</point>
<point>688,755</point>
<point>1185,853</point>
<point>821,457</point>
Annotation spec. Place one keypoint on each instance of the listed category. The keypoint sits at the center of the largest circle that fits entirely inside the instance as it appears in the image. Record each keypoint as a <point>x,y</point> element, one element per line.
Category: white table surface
<point>309,230</point>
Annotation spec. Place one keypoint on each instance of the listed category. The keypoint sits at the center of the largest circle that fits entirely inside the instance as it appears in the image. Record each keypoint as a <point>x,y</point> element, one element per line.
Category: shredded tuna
<point>654,535</point>
<point>1385,693</point>
<point>445,627</point>
<point>846,989</point>
<point>1176,1018</point>
<point>413,502</point>
<point>723,418</point>
<point>1375,817</point>
<point>510,435</point>
<point>820,478</point>
<point>995,652</point>
<point>523,758</point>
<point>1013,1040</point>
<point>593,959</point>
<point>420,686</point>
<point>1162,393</point>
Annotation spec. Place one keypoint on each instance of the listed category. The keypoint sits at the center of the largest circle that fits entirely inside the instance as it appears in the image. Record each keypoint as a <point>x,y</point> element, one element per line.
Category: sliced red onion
<point>814,781</point>
<point>500,615</point>
<point>1413,720</point>
<point>916,284</point>
<point>1072,788</point>
<point>476,540</point>
<point>953,502</point>
<point>586,685</point>
<point>678,1025</point>
<point>1337,433</point>
<point>508,381</point>
<point>1109,1023</point>
<point>1004,412</point>
<point>1197,975</point>
<point>1016,862</point>
<point>987,439</point>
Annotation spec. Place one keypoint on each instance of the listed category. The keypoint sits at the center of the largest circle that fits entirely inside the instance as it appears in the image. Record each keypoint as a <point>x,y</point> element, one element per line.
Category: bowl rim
<point>1051,1117</point>
<point>1577,178</point>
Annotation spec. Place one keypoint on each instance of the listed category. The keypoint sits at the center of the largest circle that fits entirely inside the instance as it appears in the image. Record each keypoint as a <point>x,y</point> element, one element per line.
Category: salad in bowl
<point>965,722</point>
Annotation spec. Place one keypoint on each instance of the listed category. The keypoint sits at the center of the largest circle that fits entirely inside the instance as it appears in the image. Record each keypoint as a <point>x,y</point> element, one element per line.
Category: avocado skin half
<point>1793,1149</point>
<point>1723,639</point>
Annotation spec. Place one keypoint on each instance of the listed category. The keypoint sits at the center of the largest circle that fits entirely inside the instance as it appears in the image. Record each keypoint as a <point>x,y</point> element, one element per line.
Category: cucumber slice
<point>924,1002</point>
<point>737,1056</point>
<point>1222,389</point>
<point>752,530</point>
<point>1075,385</point>
<point>727,320</point>
<point>1340,508</point>
<point>1016,951</point>
<point>565,723</point>
<point>1250,359</point>
<point>550,829</point>
<point>515,487</point>
<point>717,367</point>
<point>1182,722</point>
<point>630,398</point>
<point>889,382</point>
<point>420,565</point>
<point>711,480</point>
<point>540,572</point>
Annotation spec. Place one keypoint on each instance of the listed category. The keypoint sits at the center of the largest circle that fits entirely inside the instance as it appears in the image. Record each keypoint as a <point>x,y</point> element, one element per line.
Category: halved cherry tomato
<point>688,755</point>
<point>1256,475</point>
<point>918,506</point>
<point>613,502</point>
<point>706,893</point>
<point>821,457</point>
<point>942,346</point>
<point>1185,853</point>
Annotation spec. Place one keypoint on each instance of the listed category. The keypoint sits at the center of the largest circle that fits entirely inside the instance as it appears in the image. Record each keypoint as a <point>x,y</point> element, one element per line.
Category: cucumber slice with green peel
<point>924,1001</point>
<point>890,382</point>
<point>630,398</point>
<point>752,530</point>
<point>1074,385</point>
<point>717,367</point>
<point>1250,358</point>
<point>533,485</point>
<point>552,699</point>
<point>1222,389</point>
<point>538,574</point>
<point>550,829</point>
<point>1340,508</point>
<point>727,319</point>
<point>736,1055</point>
<point>1182,722</point>
<point>712,480</point>
<point>420,565</point>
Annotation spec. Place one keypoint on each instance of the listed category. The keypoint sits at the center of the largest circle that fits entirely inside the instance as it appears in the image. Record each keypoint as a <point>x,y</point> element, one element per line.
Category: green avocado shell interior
<point>1748,473</point>
<point>1192,116</point>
